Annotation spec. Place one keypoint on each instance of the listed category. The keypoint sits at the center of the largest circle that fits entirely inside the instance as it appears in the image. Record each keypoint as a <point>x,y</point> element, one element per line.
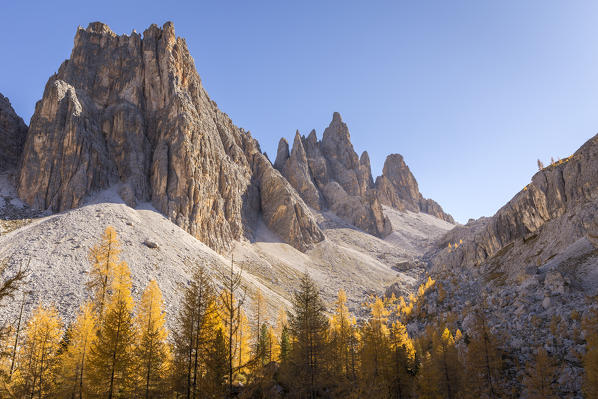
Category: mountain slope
<point>533,266</point>
<point>55,248</point>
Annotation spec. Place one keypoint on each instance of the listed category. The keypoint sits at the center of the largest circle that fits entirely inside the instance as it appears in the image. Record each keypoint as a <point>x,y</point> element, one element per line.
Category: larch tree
<point>308,326</point>
<point>441,371</point>
<point>196,326</point>
<point>112,358</point>
<point>449,366</point>
<point>282,322</point>
<point>232,298</point>
<point>258,314</point>
<point>243,343</point>
<point>375,351</point>
<point>342,325</point>
<point>152,353</point>
<point>483,361</point>
<point>590,359</point>
<point>272,343</point>
<point>540,378</point>
<point>216,368</point>
<point>285,344</point>
<point>104,259</point>
<point>74,381</point>
<point>403,358</point>
<point>36,368</point>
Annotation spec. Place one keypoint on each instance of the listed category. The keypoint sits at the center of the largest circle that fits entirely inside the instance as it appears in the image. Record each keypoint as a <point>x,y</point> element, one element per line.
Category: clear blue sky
<point>470,92</point>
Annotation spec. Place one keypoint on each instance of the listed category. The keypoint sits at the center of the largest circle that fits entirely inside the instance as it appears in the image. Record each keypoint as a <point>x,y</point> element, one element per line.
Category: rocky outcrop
<point>557,208</point>
<point>12,135</point>
<point>131,110</point>
<point>295,168</point>
<point>398,188</point>
<point>329,175</point>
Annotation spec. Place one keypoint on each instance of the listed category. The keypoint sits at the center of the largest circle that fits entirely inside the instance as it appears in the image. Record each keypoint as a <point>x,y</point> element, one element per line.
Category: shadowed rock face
<point>564,194</point>
<point>13,132</point>
<point>131,110</point>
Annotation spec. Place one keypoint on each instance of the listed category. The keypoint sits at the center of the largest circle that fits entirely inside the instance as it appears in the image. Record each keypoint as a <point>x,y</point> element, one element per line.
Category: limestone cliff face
<point>328,174</point>
<point>398,188</point>
<point>557,208</point>
<point>12,135</point>
<point>131,110</point>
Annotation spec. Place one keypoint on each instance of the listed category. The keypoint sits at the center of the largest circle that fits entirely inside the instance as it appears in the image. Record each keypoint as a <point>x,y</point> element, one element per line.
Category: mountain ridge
<point>131,110</point>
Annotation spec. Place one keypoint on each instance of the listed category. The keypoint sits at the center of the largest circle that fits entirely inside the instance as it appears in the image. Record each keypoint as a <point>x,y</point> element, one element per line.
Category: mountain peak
<point>99,27</point>
<point>143,121</point>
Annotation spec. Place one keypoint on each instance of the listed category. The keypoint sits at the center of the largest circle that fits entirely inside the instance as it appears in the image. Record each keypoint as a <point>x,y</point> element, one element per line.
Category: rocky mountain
<point>398,188</point>
<point>328,174</point>
<point>548,215</point>
<point>12,135</point>
<point>131,110</point>
<point>533,266</point>
<point>126,135</point>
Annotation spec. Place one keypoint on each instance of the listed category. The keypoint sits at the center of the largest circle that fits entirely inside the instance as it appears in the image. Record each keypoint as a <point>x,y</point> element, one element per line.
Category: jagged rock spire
<point>345,184</point>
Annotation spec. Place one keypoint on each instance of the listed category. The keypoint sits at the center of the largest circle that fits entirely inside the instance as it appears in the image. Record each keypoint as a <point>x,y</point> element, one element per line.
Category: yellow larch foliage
<point>104,259</point>
<point>37,362</point>
<point>429,283</point>
<point>74,381</point>
<point>112,358</point>
<point>458,335</point>
<point>243,343</point>
<point>152,353</point>
<point>379,316</point>
<point>400,340</point>
<point>448,371</point>
<point>342,325</point>
<point>341,316</point>
<point>273,344</point>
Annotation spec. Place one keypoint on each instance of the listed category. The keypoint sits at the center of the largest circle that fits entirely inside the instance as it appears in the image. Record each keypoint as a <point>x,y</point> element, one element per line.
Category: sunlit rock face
<point>398,188</point>
<point>131,110</point>
<point>328,174</point>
